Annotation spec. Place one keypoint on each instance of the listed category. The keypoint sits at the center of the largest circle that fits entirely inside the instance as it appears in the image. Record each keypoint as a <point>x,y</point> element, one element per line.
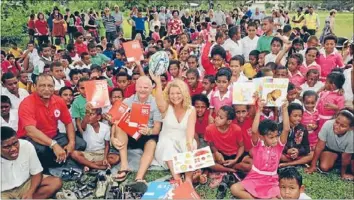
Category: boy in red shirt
<point>80,46</point>
<point>194,85</point>
<point>201,105</point>
<point>225,140</point>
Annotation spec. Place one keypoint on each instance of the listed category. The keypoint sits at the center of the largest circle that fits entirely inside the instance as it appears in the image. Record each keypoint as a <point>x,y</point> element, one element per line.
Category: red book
<point>133,51</point>
<point>118,110</point>
<point>185,191</point>
<point>97,93</point>
<point>139,115</point>
<point>131,131</point>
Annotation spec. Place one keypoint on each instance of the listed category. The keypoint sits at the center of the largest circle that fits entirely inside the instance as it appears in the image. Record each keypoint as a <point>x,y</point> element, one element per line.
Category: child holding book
<point>262,181</point>
<point>223,94</point>
<point>336,143</point>
<point>330,100</point>
<point>297,148</point>
<point>225,140</point>
<point>310,117</point>
<point>79,105</point>
<point>96,135</point>
<point>290,184</point>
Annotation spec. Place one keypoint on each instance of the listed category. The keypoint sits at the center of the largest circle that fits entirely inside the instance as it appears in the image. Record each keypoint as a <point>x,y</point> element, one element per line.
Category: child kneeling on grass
<point>97,136</point>
<point>290,184</point>
<point>225,140</point>
<point>262,181</point>
<point>336,143</point>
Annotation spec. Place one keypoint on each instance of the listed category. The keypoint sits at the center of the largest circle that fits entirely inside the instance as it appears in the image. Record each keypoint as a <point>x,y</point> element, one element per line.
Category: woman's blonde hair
<point>182,86</point>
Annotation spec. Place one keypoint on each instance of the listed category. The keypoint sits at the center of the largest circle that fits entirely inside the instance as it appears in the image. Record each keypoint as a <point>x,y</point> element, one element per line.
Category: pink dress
<point>311,118</point>
<point>304,68</point>
<point>262,181</point>
<point>326,97</point>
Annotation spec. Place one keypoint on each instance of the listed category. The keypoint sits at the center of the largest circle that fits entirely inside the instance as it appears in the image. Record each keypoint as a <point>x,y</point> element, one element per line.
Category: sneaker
<point>66,194</point>
<point>102,184</point>
<point>222,189</point>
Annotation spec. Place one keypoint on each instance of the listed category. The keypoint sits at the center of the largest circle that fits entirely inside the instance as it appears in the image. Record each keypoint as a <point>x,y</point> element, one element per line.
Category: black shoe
<point>221,191</point>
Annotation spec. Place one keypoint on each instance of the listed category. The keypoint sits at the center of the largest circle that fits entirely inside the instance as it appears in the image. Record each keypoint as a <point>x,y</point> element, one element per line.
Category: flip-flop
<point>121,179</point>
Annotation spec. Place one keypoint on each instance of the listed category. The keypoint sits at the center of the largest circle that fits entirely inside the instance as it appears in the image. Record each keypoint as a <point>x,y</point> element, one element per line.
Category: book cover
<point>133,51</point>
<point>157,190</point>
<point>185,191</point>
<point>193,160</point>
<point>139,115</point>
<point>131,131</point>
<point>243,93</point>
<point>274,91</point>
<point>118,110</point>
<point>97,93</point>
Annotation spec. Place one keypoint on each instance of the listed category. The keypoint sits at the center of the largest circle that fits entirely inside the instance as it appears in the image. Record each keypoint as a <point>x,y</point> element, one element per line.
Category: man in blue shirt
<point>140,22</point>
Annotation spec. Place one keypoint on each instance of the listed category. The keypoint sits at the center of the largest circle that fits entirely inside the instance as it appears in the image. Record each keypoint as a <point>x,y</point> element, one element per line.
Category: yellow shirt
<point>23,86</point>
<point>249,71</point>
<point>297,18</point>
<point>16,52</point>
<point>311,21</point>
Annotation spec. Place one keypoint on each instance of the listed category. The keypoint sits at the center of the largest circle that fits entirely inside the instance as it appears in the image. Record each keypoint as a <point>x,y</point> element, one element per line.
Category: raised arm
<point>162,105</point>
<point>256,121</point>
<point>286,123</point>
<point>282,53</point>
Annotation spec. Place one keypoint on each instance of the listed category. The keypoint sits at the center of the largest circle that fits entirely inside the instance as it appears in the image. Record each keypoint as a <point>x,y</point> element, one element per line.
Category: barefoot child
<point>97,136</point>
<point>297,148</point>
<point>336,143</point>
<point>262,181</point>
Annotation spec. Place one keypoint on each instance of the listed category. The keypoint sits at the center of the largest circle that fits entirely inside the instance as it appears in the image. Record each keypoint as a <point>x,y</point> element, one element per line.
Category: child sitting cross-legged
<point>297,149</point>
<point>262,181</point>
<point>97,136</point>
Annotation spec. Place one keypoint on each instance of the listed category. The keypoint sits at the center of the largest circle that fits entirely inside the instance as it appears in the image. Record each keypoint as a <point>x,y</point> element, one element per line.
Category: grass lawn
<point>318,186</point>
<point>343,24</point>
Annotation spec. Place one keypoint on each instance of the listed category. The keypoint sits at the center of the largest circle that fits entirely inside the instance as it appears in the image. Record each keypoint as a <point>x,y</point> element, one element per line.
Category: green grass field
<point>343,25</point>
<point>318,186</point>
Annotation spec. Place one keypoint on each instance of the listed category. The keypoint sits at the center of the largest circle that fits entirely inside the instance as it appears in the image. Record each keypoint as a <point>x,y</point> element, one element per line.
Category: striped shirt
<point>109,23</point>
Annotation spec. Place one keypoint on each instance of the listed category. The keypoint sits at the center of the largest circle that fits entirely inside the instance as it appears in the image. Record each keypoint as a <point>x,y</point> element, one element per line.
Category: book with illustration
<point>274,91</point>
<point>133,51</point>
<point>118,110</point>
<point>243,93</point>
<point>97,93</point>
<point>193,160</point>
<point>157,190</point>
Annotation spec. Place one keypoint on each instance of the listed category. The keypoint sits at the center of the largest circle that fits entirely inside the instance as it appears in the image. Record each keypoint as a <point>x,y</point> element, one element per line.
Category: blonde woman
<point>178,118</point>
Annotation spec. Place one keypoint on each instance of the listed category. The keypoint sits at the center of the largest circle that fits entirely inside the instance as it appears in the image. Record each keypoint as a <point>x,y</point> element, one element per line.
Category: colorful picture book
<point>133,51</point>
<point>157,190</point>
<point>274,91</point>
<point>193,160</point>
<point>97,93</point>
<point>243,93</point>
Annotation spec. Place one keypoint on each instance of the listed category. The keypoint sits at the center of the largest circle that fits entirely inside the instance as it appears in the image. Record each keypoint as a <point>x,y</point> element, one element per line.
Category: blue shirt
<point>108,53</point>
<point>139,23</point>
<point>118,63</point>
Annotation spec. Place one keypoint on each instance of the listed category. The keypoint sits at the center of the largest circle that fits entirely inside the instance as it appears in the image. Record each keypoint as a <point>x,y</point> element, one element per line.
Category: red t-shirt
<point>200,125</point>
<point>30,24</point>
<point>226,143</point>
<point>33,112</point>
<point>129,91</point>
<point>246,129</point>
<point>80,48</point>
<point>198,90</point>
<point>41,26</point>
<point>7,67</point>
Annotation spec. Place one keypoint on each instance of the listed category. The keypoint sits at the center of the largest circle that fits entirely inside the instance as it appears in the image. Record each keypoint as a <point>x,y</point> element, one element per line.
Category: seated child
<point>223,95</point>
<point>290,184</point>
<point>236,66</point>
<point>261,58</point>
<point>310,117</point>
<point>78,108</point>
<point>294,64</point>
<point>262,181</point>
<point>312,81</point>
<point>225,140</point>
<point>97,136</point>
<point>310,61</point>
<point>281,72</point>
<point>194,85</point>
<point>118,61</point>
<point>297,148</point>
<point>336,143</point>
<point>208,85</point>
<point>276,46</point>
<point>174,69</point>
<point>250,69</point>
<point>201,105</point>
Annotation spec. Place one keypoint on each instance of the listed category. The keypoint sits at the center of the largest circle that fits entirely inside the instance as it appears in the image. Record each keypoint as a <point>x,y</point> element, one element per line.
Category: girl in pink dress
<point>310,117</point>
<point>330,100</point>
<point>262,181</point>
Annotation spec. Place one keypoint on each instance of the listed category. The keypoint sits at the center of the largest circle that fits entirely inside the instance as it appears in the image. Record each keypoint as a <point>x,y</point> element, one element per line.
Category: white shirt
<point>209,95</point>
<point>304,196</point>
<point>15,101</point>
<point>248,45</point>
<point>16,172</point>
<point>83,66</point>
<point>233,47</point>
<point>61,125</point>
<point>272,57</point>
<point>96,141</point>
<point>13,120</point>
<point>347,86</point>
<point>315,88</point>
<point>58,84</point>
<point>219,17</point>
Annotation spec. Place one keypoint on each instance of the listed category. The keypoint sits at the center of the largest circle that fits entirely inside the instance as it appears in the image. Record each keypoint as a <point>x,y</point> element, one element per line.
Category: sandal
<point>123,178</point>
<point>216,181</point>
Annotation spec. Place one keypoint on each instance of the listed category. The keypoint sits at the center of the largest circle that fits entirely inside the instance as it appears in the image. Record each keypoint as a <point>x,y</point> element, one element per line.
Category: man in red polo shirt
<point>38,123</point>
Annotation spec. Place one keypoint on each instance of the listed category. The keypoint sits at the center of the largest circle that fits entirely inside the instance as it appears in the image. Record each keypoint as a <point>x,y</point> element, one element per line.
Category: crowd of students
<point>43,99</point>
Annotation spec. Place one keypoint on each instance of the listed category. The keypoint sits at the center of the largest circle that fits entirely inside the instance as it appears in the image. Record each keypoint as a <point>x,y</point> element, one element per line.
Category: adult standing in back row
<point>118,16</point>
<point>140,22</point>
<point>109,24</point>
<point>312,21</point>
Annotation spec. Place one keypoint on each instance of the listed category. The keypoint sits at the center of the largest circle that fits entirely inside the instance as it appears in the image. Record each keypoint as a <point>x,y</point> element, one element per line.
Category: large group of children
<point>315,123</point>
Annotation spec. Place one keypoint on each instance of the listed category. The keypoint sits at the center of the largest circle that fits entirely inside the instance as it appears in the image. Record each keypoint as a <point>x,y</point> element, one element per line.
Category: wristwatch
<point>54,142</point>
